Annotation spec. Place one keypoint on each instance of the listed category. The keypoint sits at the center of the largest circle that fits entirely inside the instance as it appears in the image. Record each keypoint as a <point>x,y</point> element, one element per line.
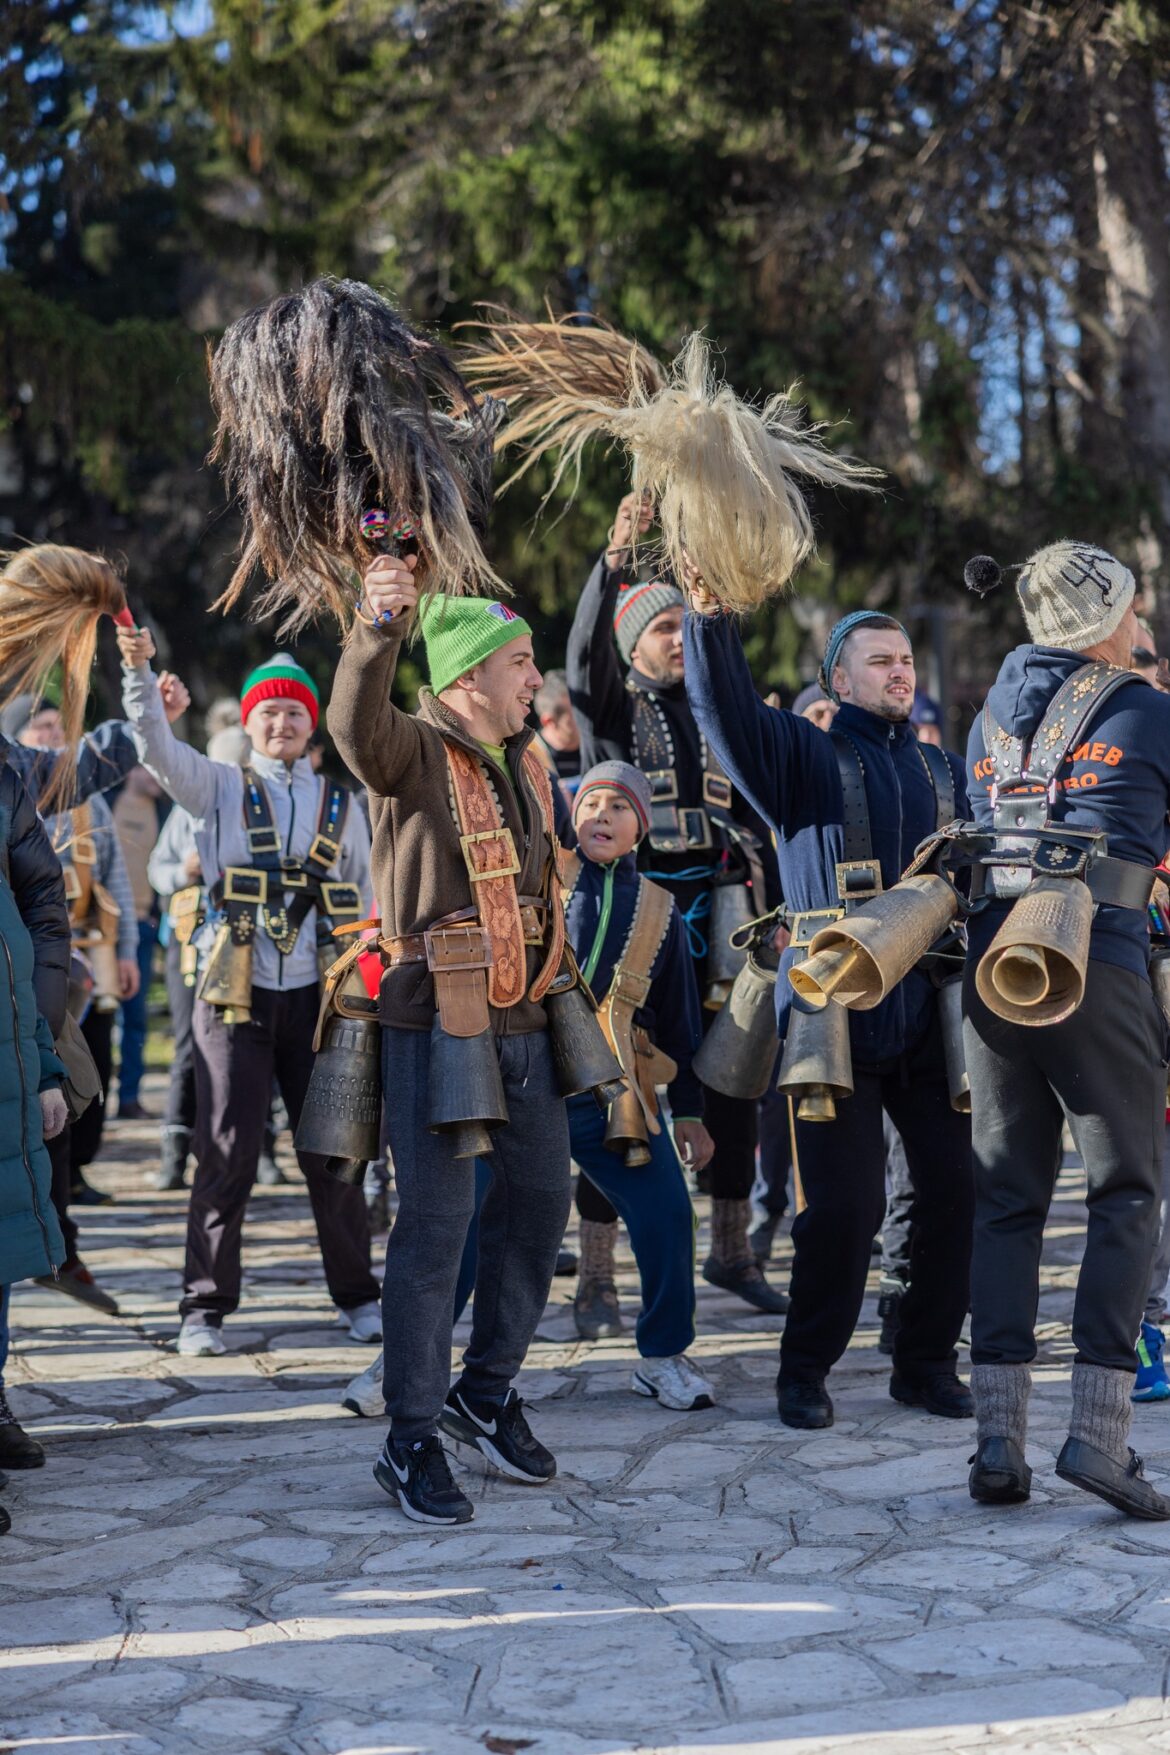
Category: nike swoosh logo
<point>401,1475</point>
<point>488,1431</point>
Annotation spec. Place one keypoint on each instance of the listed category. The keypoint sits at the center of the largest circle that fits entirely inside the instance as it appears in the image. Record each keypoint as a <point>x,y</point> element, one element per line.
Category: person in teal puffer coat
<point>31,1108</point>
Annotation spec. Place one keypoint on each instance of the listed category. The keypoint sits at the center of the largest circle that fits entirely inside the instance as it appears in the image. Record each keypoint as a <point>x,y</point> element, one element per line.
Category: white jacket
<point>213,793</point>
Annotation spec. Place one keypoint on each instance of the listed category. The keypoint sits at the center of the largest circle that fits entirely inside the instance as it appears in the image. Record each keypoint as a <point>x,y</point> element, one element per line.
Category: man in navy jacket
<point>1102,1069</point>
<point>788,770</point>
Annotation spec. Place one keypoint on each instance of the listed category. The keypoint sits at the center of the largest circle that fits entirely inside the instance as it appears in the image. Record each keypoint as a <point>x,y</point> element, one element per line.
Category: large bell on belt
<point>466,1089</point>
<point>626,1132</point>
<point>816,1067</point>
<point>950,1019</point>
<point>731,909</point>
<point>738,1053</point>
<point>1033,971</point>
<point>582,1058</point>
<point>227,978</point>
<point>342,1114</point>
<point>861,958</point>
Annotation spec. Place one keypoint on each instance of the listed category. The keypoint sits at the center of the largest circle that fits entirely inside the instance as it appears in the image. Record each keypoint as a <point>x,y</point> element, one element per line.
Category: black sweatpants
<point>842,1168</point>
<point>234,1069</point>
<point>85,1136</point>
<point>180,1109</point>
<point>1104,1071</point>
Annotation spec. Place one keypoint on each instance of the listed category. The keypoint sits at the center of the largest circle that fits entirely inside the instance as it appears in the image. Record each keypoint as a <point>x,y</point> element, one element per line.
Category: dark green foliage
<point>893,203</point>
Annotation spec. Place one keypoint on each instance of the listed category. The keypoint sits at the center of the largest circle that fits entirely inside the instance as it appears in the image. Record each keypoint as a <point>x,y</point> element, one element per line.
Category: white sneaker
<point>198,1340</point>
<point>673,1382</point>
<point>364,1323</point>
<point>364,1394</point>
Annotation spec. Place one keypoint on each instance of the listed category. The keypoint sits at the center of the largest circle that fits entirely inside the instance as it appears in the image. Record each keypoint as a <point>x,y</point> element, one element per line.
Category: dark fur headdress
<point>323,407</point>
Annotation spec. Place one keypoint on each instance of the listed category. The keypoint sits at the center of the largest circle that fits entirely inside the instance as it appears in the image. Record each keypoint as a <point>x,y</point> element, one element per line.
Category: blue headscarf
<point>840,632</point>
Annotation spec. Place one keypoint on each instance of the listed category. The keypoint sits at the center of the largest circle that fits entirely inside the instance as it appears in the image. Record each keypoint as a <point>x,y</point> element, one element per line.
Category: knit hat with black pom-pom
<point>1074,595</point>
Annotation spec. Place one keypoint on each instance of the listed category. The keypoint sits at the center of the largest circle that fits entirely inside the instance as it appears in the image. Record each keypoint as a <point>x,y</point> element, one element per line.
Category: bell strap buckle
<point>487,839</point>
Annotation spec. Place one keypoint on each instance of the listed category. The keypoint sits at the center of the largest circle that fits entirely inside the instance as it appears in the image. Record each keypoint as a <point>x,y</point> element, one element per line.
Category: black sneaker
<point>499,1431</point>
<point>419,1477</point>
<point>805,1405</point>
<point>5,1522</point>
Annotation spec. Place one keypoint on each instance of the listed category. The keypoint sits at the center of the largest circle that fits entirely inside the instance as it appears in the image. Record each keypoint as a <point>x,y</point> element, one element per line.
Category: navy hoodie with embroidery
<point>788,770</point>
<point>671,1013</point>
<point>1116,780</point>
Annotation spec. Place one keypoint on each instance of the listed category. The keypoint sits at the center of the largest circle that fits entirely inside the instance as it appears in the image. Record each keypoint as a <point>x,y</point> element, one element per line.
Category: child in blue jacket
<point>611,813</point>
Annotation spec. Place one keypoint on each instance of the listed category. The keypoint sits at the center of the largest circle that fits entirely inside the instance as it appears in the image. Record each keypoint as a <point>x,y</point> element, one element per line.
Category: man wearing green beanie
<point>465,873</point>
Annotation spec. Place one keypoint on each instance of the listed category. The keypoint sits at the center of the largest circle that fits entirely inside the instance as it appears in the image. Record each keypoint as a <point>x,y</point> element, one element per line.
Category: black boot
<point>175,1148</point>
<point>942,1394</point>
<point>999,1475</point>
<point>804,1404</point>
<point>1122,1485</point>
<point>17,1449</point>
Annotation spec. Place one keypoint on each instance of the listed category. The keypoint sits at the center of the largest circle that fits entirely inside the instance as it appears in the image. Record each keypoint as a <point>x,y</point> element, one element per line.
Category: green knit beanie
<point>460,632</point>
<point>280,679</point>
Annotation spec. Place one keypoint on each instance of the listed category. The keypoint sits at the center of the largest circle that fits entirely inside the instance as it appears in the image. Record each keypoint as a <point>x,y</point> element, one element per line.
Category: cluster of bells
<point>1033,973</point>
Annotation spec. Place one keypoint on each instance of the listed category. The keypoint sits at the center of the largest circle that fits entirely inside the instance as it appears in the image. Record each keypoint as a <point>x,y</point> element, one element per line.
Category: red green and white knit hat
<point>618,777</point>
<point>636,608</point>
<point>280,679</point>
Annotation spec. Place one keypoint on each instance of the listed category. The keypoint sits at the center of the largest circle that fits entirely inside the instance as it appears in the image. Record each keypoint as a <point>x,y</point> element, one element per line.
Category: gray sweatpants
<point>521,1225</point>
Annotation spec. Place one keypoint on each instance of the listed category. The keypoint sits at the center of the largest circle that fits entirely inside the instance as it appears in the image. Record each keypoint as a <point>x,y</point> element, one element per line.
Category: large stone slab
<point>122,1556</point>
<point>772,1612</point>
<point>997,1647</point>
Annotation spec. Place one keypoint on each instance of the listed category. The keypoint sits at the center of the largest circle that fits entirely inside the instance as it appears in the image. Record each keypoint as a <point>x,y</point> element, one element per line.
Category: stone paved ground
<point>206,1563</point>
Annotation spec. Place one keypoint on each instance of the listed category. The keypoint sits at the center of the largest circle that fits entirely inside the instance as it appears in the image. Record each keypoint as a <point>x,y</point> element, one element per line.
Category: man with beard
<point>865,794</point>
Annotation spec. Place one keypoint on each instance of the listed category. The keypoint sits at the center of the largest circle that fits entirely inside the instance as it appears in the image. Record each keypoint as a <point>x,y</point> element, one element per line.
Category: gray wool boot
<point>596,1310</point>
<point>999,1473</point>
<point>1096,1454</point>
<point>1001,1401</point>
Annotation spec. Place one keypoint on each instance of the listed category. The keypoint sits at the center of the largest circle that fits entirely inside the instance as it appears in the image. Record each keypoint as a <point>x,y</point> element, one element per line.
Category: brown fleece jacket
<point>417,864</point>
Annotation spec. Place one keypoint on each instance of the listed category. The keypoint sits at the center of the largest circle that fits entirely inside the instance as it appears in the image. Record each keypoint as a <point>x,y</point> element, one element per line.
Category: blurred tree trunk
<point>1133,200</point>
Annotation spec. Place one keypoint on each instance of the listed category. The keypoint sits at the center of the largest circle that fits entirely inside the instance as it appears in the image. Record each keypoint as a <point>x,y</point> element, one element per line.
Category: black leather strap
<point>943,781</point>
<point>1120,883</point>
<point>858,837</point>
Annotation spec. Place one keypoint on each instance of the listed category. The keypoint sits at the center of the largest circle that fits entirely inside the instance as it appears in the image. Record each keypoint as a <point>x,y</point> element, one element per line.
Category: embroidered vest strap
<point>542,784</point>
<point>493,865</point>
<point>1025,770</point>
<point>629,989</point>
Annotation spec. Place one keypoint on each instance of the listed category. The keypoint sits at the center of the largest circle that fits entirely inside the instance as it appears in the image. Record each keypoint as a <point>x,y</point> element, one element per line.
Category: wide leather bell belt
<point>412,947</point>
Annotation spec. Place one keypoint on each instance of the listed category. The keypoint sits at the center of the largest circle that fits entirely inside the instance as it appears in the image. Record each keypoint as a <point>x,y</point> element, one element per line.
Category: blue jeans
<point>656,1207</point>
<point>4,1291</point>
<point>134,1018</point>
<point>654,1204</point>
